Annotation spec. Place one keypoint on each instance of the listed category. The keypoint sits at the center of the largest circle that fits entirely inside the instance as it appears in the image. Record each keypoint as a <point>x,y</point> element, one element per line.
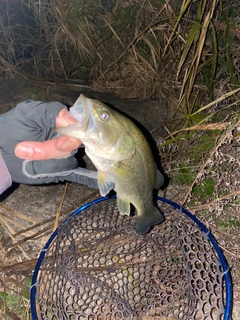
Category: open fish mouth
<point>81,110</point>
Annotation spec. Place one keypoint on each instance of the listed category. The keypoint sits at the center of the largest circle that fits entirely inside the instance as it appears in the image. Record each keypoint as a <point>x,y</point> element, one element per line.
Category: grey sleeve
<point>5,177</point>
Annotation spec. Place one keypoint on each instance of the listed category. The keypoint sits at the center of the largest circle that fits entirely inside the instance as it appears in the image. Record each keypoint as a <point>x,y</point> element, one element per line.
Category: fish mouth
<point>81,110</point>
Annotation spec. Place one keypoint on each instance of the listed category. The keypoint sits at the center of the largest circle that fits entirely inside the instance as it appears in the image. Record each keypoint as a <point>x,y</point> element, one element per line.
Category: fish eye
<point>104,116</point>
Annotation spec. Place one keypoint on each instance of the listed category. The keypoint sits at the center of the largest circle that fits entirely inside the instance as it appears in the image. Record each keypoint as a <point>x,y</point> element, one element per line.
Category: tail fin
<point>146,220</point>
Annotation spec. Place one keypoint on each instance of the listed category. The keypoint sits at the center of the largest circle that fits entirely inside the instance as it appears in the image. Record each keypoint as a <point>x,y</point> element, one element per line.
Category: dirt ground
<point>28,213</point>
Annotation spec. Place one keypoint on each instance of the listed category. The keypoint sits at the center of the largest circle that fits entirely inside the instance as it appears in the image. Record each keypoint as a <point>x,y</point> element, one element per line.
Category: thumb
<point>49,149</point>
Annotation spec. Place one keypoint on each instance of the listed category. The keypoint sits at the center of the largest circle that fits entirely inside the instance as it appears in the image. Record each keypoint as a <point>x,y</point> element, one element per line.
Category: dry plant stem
<point>130,45</point>
<point>16,213</point>
<point>205,126</point>
<point>47,228</point>
<point>229,252</point>
<point>14,223</point>
<point>204,206</point>
<point>222,232</point>
<point>223,97</point>
<point>11,232</point>
<point>184,7</point>
<point>113,31</point>
<point>19,267</point>
<point>196,59</point>
<point>228,132</point>
<point>60,208</point>
<point>40,234</point>
<point>7,226</point>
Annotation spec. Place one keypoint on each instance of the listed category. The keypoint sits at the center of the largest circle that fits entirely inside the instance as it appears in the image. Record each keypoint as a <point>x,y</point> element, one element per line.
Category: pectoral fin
<point>123,206</point>
<point>123,171</point>
<point>104,186</point>
<point>159,180</point>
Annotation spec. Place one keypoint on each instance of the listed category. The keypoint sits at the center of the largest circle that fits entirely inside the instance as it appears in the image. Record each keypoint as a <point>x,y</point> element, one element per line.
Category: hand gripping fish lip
<point>81,110</point>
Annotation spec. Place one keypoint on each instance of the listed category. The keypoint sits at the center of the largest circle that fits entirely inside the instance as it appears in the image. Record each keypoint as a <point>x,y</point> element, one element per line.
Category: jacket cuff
<point>5,177</point>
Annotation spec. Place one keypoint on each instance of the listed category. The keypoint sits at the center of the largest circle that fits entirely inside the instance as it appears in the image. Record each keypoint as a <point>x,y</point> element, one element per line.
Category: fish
<point>122,156</point>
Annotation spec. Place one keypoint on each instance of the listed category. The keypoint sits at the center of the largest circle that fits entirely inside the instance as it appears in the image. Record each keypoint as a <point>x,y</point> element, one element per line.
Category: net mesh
<point>97,267</point>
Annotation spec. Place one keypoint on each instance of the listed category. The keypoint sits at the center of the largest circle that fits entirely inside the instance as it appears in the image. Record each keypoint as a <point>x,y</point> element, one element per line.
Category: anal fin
<point>123,206</point>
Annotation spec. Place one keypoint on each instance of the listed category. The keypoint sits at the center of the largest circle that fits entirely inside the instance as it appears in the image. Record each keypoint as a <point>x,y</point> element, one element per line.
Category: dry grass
<point>137,49</point>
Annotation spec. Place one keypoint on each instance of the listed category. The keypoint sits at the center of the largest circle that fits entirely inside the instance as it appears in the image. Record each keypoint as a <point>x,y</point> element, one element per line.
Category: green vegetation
<point>16,305</point>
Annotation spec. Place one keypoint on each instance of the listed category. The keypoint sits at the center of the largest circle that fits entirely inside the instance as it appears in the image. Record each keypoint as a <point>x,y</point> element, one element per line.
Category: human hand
<point>32,150</point>
<point>59,147</point>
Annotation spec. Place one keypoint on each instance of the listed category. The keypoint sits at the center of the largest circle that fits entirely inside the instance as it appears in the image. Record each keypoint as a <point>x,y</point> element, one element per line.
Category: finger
<point>64,119</point>
<point>40,113</point>
<point>64,143</point>
<point>48,149</point>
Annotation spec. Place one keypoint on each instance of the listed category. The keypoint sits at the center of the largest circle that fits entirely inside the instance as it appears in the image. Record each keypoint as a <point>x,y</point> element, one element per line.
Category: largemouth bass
<point>122,156</point>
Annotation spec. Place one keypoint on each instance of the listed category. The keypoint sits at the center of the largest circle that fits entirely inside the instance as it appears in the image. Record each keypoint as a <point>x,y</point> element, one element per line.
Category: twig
<point>10,232</point>
<point>229,252</point>
<point>43,231</point>
<point>60,208</point>
<point>19,267</point>
<point>12,222</point>
<point>224,233</point>
<point>204,206</point>
<point>16,213</point>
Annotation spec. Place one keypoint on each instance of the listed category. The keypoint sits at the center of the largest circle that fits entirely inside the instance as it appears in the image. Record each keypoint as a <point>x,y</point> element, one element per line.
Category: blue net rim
<point>225,268</point>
